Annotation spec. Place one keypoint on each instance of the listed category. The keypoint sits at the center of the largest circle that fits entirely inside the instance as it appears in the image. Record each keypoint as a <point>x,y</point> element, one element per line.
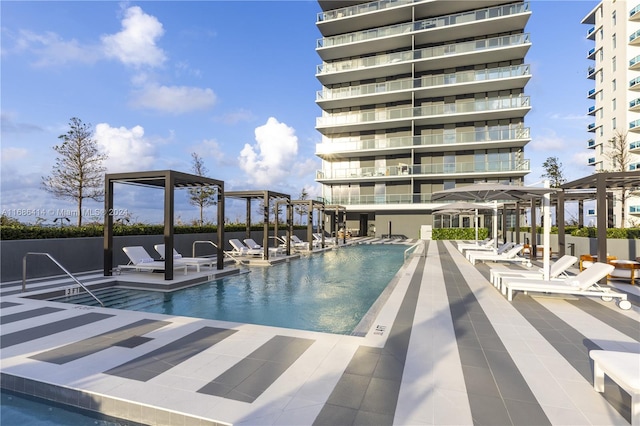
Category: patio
<point>446,348</point>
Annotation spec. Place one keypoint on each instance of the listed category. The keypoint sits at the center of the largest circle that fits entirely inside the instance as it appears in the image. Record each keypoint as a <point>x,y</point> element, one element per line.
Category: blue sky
<point>233,81</point>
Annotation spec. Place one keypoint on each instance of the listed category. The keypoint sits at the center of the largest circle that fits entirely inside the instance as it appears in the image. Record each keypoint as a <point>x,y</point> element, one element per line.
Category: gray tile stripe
<point>250,377</point>
<point>8,304</point>
<point>612,317</point>
<point>127,336</point>
<point>156,362</point>
<point>43,330</point>
<point>563,337</point>
<point>497,392</point>
<point>367,392</point>
<point>19,316</point>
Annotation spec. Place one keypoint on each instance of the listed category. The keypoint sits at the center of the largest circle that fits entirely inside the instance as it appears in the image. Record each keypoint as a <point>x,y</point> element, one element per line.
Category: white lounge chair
<point>502,248</point>
<point>298,244</point>
<point>558,269</point>
<point>189,261</point>
<point>583,284</point>
<point>510,255</point>
<point>140,260</point>
<point>486,243</point>
<point>240,249</point>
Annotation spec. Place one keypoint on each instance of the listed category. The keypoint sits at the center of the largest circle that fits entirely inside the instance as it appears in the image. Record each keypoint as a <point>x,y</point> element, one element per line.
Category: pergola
<point>310,205</point>
<point>335,210</point>
<point>266,196</point>
<point>604,184</point>
<point>169,180</point>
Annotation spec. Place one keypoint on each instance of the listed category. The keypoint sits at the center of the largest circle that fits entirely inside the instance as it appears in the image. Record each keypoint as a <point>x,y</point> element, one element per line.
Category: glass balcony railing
<point>634,166</point>
<point>591,52</point>
<point>361,8</point>
<point>591,71</point>
<point>633,13</point>
<point>633,37</point>
<point>442,21</point>
<point>634,103</point>
<point>426,53</point>
<point>634,125</point>
<point>591,93</point>
<point>424,82</point>
<point>634,209</point>
<point>497,134</point>
<point>591,110</point>
<point>385,114</point>
<point>591,161</point>
<point>427,169</point>
<point>348,200</point>
<point>634,146</point>
<point>591,144</point>
<point>590,31</point>
<point>591,127</point>
<point>634,61</point>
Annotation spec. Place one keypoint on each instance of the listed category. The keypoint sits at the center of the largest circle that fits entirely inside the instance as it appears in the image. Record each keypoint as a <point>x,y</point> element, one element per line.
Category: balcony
<point>634,39</point>
<point>592,110</point>
<point>634,15</point>
<point>591,33</point>
<point>634,126</point>
<point>512,136</point>
<point>505,48</point>
<point>634,209</point>
<point>634,147</point>
<point>591,127</point>
<point>350,200</point>
<point>498,108</point>
<point>635,84</point>
<point>361,9</point>
<point>505,18</point>
<point>487,80</point>
<point>591,94</point>
<point>407,172</point>
<point>592,53</point>
<point>634,64</point>
<point>591,161</point>
<point>591,144</point>
<point>634,166</point>
<point>591,73</point>
<point>634,105</point>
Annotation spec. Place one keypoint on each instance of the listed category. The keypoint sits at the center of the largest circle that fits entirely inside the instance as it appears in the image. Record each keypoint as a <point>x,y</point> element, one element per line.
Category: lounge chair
<point>140,260</point>
<point>558,269</point>
<point>502,248</point>
<point>189,261</point>
<point>240,249</point>
<point>298,244</point>
<point>583,284</point>
<point>486,243</point>
<point>510,255</point>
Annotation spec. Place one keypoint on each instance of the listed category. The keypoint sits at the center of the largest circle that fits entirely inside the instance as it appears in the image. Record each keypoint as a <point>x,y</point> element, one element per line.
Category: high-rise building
<point>614,26</point>
<point>419,96</point>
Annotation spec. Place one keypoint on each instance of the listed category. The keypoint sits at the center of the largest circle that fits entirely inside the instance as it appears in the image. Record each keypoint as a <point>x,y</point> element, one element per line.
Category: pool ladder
<point>24,274</point>
<point>413,247</point>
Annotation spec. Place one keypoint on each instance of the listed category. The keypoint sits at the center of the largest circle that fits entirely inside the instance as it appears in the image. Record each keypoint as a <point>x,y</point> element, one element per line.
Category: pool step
<point>114,298</point>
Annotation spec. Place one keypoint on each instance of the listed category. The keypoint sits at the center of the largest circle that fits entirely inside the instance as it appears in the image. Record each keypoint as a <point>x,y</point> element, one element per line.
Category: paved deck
<point>446,348</point>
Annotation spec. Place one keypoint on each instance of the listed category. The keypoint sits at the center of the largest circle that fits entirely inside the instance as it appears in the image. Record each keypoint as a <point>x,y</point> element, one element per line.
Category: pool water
<point>25,411</point>
<point>328,292</point>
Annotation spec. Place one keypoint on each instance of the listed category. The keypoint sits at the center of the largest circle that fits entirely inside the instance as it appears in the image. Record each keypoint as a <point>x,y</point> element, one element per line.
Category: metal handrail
<point>411,248</point>
<point>24,274</point>
<point>193,246</point>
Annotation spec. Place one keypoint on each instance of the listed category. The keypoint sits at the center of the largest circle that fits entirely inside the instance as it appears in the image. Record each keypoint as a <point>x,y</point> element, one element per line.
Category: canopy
<point>461,206</point>
<point>497,191</point>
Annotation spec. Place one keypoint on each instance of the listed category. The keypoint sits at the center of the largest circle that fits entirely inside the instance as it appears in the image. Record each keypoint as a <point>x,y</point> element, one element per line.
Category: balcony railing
<point>481,136</point>
<point>591,161</point>
<point>591,94</point>
<point>634,125</point>
<point>633,13</point>
<point>361,8</point>
<point>634,166</point>
<point>349,200</point>
<point>427,169</point>
<point>442,21</point>
<point>633,38</point>
<point>634,209</point>
<point>591,127</point>
<point>591,72</point>
<point>424,82</point>
<point>590,31</point>
<point>591,144</point>
<point>634,104</point>
<point>591,53</point>
<point>634,146</point>
<point>635,83</point>
<point>426,53</point>
<point>592,110</point>
<point>634,62</point>
<point>384,114</point>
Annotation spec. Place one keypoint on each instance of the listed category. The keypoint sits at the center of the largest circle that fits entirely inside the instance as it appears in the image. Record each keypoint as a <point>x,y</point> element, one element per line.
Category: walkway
<point>446,348</point>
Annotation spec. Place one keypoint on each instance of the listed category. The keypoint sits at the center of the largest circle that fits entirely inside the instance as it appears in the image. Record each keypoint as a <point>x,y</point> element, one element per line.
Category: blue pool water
<point>329,292</point>
<point>22,411</point>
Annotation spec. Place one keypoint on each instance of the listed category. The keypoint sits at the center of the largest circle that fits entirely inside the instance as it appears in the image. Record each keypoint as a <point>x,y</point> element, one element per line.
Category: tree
<point>620,157</point>
<point>79,172</point>
<point>201,196</point>
<point>554,171</point>
<point>301,209</point>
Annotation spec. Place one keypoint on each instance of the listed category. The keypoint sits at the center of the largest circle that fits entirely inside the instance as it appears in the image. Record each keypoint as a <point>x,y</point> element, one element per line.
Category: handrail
<point>24,274</point>
<point>193,246</point>
<point>411,248</point>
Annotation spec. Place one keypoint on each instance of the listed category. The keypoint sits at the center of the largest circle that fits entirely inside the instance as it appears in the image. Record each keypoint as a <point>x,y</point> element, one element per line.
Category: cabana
<point>310,206</point>
<point>267,197</point>
<point>168,180</point>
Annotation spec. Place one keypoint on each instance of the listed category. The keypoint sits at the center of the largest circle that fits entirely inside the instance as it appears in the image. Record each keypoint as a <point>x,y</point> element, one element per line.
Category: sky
<point>233,81</point>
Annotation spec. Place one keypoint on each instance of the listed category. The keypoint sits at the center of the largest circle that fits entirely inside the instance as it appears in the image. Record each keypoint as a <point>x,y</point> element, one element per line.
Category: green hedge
<point>554,229</point>
<point>459,233</point>
<point>613,233</point>
<point>30,232</point>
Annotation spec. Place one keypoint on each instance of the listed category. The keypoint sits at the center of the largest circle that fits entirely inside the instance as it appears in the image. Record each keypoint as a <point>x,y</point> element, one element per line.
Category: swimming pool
<point>329,292</point>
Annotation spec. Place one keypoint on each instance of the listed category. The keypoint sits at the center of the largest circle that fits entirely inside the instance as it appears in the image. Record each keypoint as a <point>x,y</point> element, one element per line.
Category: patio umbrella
<point>500,192</point>
<point>461,207</point>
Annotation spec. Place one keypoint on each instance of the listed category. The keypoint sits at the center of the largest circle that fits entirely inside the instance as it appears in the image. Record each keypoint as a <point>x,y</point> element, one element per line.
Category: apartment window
<point>601,34</point>
<point>601,76</point>
<point>613,104</point>
<point>601,113</point>
<point>613,64</point>
<point>613,41</point>
<point>601,53</point>
<point>613,84</point>
<point>449,184</point>
<point>613,123</point>
<point>613,17</point>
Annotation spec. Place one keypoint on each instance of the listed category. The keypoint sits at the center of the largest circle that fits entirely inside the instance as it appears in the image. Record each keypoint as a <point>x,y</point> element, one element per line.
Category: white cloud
<point>271,160</point>
<point>12,154</point>
<point>209,148</point>
<point>235,117</point>
<point>174,99</point>
<point>128,149</point>
<point>136,45</point>
<point>50,49</point>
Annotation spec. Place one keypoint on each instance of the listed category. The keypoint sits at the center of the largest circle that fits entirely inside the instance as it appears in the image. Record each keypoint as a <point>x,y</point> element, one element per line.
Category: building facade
<point>418,96</point>
<point>614,27</point>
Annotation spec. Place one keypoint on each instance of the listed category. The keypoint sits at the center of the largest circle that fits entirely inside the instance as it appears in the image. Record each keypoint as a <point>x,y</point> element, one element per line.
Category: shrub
<point>613,233</point>
<point>459,233</point>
